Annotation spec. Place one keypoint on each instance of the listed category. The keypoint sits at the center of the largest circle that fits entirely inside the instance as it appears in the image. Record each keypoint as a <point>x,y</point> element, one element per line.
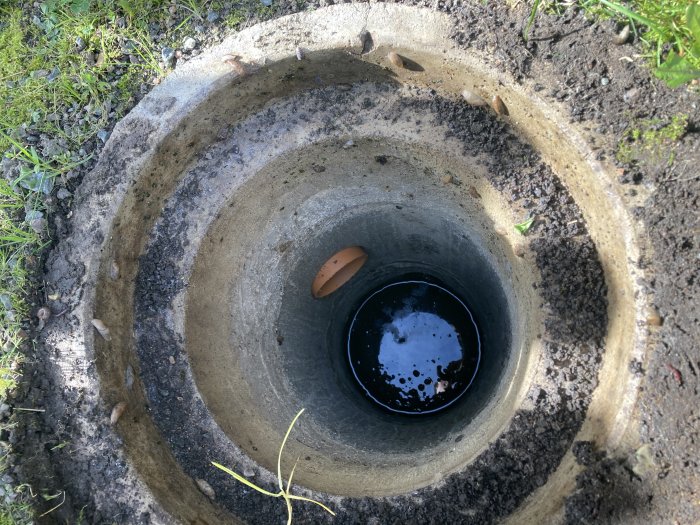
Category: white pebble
<point>472,98</point>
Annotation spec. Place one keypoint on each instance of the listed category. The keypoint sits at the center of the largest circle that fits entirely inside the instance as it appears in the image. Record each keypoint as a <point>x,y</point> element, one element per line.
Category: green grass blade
<point>279,456</point>
<point>629,13</point>
<point>245,481</point>
<point>531,19</point>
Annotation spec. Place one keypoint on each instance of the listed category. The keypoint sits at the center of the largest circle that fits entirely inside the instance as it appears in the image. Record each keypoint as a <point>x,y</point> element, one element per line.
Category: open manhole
<point>413,347</point>
<point>220,196</point>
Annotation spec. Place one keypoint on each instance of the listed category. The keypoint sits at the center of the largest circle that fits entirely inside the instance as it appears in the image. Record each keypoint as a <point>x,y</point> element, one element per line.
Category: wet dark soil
<point>608,94</point>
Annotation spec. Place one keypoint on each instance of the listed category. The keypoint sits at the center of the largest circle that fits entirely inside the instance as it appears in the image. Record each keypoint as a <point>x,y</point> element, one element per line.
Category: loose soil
<point>607,94</point>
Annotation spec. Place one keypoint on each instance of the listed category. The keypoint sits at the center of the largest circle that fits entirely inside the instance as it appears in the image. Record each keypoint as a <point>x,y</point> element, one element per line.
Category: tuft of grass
<point>652,141</point>
<point>16,514</point>
<point>283,493</point>
<point>669,31</point>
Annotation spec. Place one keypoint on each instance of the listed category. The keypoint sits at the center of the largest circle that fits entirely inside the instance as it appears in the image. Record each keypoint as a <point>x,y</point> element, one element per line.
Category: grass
<point>669,31</point>
<point>652,141</point>
<point>283,493</point>
<point>62,60</point>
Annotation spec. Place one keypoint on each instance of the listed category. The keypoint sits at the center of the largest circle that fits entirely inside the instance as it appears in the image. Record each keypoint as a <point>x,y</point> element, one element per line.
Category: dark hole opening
<point>413,346</point>
<point>416,242</point>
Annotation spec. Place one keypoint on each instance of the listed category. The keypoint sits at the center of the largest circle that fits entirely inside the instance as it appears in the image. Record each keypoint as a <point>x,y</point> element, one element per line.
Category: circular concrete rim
<point>408,30</point>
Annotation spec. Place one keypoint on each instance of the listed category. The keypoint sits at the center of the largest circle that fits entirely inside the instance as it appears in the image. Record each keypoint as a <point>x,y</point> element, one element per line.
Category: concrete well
<point>220,195</point>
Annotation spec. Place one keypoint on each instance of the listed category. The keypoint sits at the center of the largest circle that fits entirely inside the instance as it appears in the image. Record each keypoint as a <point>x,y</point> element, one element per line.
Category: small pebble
<point>300,53</point>
<point>447,179</point>
<point>79,44</point>
<point>395,59</point>
<point>644,461</point>
<point>114,271</point>
<point>168,56</point>
<point>38,225</point>
<point>63,194</point>
<point>213,16</point>
<point>103,135</point>
<point>44,313</point>
<point>189,44</point>
<point>117,412</point>
<point>178,54</point>
<point>622,37</point>
<point>249,473</point>
<point>55,73</point>
<point>171,359</point>
<point>129,377</point>
<point>604,81</point>
<point>102,329</point>
<point>349,144</point>
<point>474,193</point>
<point>498,105</point>
<point>631,95</point>
<point>30,215</point>
<point>472,98</point>
<point>206,489</point>
<point>653,318</point>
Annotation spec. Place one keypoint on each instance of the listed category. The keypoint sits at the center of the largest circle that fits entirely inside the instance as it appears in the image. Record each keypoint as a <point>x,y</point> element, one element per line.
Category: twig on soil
<point>678,179</point>
<point>30,409</point>
<point>554,36</point>
<point>54,508</point>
